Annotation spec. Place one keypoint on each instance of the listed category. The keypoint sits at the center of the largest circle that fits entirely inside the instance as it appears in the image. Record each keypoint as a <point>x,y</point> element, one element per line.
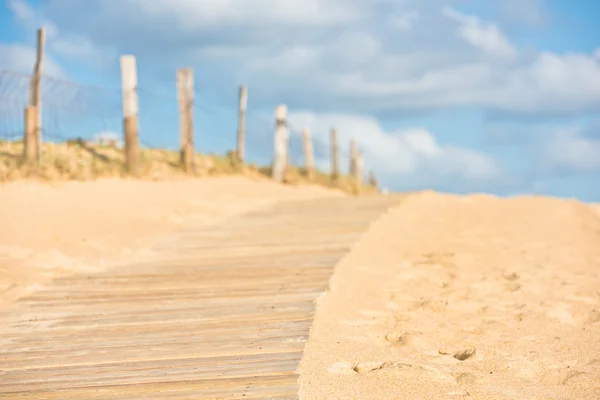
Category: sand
<point>445,297</point>
<point>50,230</point>
<point>474,297</point>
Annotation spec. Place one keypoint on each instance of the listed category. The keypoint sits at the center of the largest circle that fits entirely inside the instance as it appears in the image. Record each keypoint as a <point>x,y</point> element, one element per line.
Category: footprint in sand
<point>430,304</point>
<point>346,368</point>
<point>409,371</point>
<point>463,355</point>
<point>564,377</point>
<point>460,355</point>
<point>593,317</point>
<point>342,368</point>
<point>366,367</point>
<point>513,286</point>
<point>511,277</point>
<point>411,339</point>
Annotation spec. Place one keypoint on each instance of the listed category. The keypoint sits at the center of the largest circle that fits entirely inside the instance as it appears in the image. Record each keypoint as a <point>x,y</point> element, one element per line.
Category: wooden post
<point>243,104</point>
<point>373,180</point>
<point>353,159</point>
<point>191,154</point>
<point>30,139</point>
<point>281,144</point>
<point>35,101</point>
<point>185,96</point>
<point>130,113</point>
<point>334,155</point>
<point>309,156</point>
<point>180,82</point>
<point>359,169</point>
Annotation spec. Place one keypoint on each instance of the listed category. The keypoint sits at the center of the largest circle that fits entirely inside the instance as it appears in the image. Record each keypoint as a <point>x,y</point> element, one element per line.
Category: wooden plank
<point>223,312</point>
<point>268,386</point>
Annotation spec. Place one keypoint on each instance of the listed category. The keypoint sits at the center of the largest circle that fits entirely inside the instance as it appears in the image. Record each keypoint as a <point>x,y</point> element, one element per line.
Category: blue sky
<point>453,95</point>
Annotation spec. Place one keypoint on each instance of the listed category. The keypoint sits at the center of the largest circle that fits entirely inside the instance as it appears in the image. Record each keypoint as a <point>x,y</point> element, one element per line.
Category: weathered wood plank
<point>223,312</point>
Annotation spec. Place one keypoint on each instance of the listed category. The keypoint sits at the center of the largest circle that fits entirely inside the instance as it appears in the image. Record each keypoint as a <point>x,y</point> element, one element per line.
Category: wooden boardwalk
<point>225,314</point>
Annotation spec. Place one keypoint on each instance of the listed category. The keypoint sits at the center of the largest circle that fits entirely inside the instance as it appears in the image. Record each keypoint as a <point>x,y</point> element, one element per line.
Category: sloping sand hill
<point>453,297</point>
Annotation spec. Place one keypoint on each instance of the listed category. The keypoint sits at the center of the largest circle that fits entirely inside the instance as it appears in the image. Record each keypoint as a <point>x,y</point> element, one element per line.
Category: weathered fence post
<point>130,113</point>
<point>334,154</point>
<point>32,139</point>
<point>359,173</point>
<point>353,158</point>
<point>309,156</point>
<point>373,180</point>
<point>243,104</point>
<point>281,144</point>
<point>185,96</point>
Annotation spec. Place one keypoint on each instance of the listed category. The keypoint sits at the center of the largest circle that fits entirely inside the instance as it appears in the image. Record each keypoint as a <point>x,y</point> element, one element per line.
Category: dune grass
<point>78,160</point>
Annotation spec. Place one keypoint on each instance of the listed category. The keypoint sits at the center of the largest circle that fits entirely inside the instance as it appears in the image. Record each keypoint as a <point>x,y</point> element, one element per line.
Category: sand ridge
<point>463,297</point>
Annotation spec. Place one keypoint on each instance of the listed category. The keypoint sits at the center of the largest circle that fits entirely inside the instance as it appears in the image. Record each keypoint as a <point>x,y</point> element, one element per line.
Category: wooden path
<point>226,316</point>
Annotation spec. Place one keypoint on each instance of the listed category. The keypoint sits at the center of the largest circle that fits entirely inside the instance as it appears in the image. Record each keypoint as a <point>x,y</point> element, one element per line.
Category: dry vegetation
<point>78,160</point>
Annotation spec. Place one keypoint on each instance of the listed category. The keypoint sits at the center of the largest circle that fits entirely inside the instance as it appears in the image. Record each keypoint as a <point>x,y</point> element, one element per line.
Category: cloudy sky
<point>500,96</point>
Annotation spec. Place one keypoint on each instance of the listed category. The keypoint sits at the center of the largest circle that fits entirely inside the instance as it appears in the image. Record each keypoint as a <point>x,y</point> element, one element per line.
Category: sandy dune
<point>464,297</point>
<point>50,230</point>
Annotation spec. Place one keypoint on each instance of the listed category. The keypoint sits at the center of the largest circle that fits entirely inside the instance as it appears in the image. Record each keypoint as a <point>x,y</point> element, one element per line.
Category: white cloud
<point>413,154</point>
<point>21,58</point>
<point>404,21</point>
<point>31,18</point>
<point>552,84</point>
<point>530,12</point>
<point>569,149</point>
<point>75,46</point>
<point>386,57</point>
<point>290,61</point>
<point>21,9</point>
<point>486,36</point>
<point>216,13</point>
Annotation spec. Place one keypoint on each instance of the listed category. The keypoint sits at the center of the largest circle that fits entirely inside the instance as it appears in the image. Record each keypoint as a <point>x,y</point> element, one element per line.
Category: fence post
<point>130,113</point>
<point>334,154</point>
<point>309,156</point>
<point>185,96</point>
<point>281,144</point>
<point>33,114</point>
<point>359,173</point>
<point>243,104</point>
<point>353,159</point>
<point>373,180</point>
<point>30,139</point>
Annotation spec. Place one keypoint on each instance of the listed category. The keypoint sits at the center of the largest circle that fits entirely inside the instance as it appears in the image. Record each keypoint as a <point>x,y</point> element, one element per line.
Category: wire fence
<point>73,111</point>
